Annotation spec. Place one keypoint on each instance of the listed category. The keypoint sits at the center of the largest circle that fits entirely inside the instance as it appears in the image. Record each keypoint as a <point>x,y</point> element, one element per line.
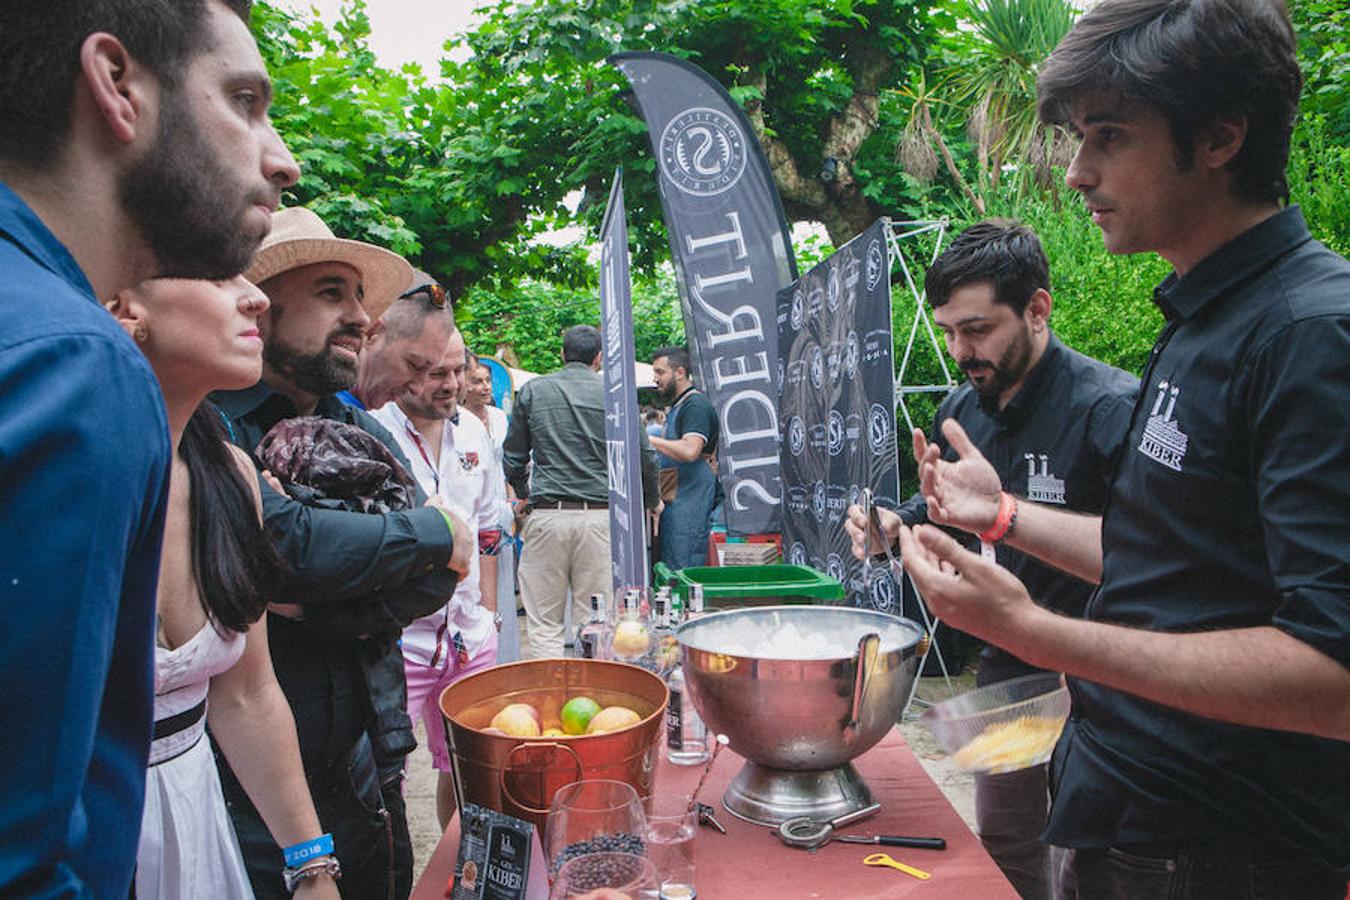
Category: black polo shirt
<point>1054,443</point>
<point>1230,509</point>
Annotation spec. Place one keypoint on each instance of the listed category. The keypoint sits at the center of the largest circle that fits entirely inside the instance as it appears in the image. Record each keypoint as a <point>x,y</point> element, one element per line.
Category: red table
<point>750,862</point>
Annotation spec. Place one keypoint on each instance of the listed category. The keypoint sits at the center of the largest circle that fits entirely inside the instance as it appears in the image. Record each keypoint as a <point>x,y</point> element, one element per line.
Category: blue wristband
<point>303,852</point>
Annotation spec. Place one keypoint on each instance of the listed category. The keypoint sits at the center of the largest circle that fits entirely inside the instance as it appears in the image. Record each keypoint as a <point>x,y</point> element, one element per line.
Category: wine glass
<point>611,876</point>
<point>594,816</point>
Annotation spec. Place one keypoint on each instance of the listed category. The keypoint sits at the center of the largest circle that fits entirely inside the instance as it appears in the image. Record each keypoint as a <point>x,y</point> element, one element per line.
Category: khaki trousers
<point>562,548</point>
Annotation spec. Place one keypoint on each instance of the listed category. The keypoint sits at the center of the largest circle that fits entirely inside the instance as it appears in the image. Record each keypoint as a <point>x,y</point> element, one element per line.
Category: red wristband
<point>1003,523</point>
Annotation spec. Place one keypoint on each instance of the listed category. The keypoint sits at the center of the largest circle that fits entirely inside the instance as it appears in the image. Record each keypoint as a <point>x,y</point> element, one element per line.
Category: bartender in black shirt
<point>1051,422</point>
<point>1208,753</point>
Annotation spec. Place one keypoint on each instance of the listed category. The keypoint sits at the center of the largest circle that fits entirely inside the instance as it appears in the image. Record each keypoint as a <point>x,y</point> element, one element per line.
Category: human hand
<point>866,541</point>
<point>963,494</point>
<point>964,589</point>
<point>273,481</point>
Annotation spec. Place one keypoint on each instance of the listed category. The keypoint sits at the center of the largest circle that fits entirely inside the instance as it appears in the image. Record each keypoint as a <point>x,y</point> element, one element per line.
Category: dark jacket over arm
<point>355,572</point>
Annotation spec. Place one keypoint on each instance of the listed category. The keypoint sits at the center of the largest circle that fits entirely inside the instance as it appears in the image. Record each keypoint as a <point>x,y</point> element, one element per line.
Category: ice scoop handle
<point>867,656</point>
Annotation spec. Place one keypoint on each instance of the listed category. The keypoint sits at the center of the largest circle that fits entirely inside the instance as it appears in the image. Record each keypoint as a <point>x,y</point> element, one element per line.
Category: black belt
<point>180,721</point>
<point>569,504</point>
<point>176,724</point>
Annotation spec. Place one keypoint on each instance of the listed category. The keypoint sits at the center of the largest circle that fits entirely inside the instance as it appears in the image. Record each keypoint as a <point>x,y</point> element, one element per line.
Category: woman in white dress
<point>211,662</point>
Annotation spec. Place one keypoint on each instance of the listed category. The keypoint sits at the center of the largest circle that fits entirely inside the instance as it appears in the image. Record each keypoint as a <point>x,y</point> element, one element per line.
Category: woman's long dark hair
<point>233,562</point>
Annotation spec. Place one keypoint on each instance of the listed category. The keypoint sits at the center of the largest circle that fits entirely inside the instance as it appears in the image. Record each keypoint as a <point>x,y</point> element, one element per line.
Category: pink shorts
<point>425,684</point>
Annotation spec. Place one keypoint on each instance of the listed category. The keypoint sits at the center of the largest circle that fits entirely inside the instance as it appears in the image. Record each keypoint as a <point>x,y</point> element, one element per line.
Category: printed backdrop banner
<point>627,535</point>
<point>837,410</point>
<point>732,254</point>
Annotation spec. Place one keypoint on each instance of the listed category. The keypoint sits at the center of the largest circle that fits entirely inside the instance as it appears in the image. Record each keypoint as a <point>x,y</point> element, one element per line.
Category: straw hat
<point>300,238</point>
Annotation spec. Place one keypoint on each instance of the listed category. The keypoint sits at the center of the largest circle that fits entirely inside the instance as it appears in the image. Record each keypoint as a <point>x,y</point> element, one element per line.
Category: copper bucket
<point>519,776</point>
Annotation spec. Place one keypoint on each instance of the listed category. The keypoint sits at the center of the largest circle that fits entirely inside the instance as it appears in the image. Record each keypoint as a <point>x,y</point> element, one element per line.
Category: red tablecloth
<point>750,862</point>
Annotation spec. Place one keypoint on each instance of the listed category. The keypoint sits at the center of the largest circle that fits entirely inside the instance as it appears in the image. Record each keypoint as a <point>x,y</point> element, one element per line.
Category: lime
<point>576,714</point>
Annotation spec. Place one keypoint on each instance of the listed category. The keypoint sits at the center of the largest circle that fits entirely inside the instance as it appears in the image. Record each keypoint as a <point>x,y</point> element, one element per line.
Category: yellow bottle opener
<point>883,859</point>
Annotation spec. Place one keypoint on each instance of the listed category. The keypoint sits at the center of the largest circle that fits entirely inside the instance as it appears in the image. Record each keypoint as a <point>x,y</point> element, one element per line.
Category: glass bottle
<point>630,639</point>
<point>695,600</point>
<point>663,635</point>
<point>686,735</point>
<point>591,639</point>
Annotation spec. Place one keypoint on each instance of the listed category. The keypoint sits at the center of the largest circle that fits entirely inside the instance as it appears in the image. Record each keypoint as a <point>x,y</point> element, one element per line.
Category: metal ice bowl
<point>799,691</point>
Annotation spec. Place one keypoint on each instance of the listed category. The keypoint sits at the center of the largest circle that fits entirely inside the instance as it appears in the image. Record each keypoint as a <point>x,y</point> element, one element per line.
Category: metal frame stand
<point>900,231</point>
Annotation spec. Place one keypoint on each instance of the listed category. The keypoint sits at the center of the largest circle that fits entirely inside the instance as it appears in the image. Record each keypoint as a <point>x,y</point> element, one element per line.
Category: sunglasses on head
<point>434,293</point>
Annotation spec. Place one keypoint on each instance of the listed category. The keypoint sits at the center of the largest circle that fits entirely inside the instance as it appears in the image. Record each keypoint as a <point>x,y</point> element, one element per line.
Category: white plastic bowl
<point>1003,727</point>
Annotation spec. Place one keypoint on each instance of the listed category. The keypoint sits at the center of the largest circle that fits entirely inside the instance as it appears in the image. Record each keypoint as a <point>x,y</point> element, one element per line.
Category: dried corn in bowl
<point>1003,727</point>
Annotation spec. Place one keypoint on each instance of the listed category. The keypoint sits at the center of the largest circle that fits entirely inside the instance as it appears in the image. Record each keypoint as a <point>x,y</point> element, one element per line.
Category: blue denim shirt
<point>84,456</point>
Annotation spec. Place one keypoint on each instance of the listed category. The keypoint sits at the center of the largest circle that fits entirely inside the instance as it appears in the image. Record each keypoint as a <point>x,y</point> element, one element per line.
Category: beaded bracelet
<point>323,865</point>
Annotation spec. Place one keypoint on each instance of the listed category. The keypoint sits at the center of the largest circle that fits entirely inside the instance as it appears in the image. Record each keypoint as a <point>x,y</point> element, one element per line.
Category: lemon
<point>577,714</point>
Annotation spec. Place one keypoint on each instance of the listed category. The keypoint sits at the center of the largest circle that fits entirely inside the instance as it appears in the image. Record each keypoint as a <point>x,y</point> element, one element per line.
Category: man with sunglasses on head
<point>356,579</point>
<point>402,346</point>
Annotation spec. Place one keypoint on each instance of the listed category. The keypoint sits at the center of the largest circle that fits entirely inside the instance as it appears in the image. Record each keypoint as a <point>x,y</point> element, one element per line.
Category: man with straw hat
<point>356,578</point>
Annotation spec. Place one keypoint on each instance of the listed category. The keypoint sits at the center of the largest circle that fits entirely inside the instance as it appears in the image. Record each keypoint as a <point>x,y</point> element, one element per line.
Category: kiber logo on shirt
<point>1042,487</point>
<point>1163,441</point>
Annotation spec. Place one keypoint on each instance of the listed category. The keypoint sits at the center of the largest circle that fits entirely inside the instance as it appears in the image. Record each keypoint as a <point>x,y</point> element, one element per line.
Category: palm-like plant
<point>992,75</point>
<point>921,139</point>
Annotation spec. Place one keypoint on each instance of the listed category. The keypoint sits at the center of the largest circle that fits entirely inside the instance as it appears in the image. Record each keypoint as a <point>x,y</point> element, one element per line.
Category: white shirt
<point>463,479</point>
<point>496,428</point>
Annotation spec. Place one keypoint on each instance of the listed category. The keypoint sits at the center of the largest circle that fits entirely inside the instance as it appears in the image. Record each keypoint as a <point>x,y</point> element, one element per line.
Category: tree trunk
<point>832,195</point>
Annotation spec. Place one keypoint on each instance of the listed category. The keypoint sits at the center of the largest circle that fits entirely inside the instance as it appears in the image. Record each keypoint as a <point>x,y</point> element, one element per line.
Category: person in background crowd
<point>478,400</point>
<point>1208,754</point>
<point>689,442</point>
<point>1052,421</point>
<point>452,458</point>
<point>654,420</point>
<point>134,143</point>
<point>216,574</point>
<point>355,579</point>
<point>555,458</point>
<point>401,346</point>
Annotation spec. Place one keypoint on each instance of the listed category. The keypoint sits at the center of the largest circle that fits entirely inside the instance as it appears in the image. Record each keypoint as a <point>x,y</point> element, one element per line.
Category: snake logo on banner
<point>876,263</point>
<point>836,432</point>
<point>796,436</point>
<point>702,152</point>
<point>879,428</point>
<point>882,591</point>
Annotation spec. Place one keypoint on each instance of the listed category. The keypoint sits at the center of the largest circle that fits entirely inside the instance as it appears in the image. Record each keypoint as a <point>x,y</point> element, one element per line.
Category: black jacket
<point>1056,443</point>
<point>359,576</point>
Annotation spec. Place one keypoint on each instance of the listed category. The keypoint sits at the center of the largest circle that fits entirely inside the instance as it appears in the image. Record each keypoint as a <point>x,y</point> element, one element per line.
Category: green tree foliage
<point>524,324</point>
<point>463,175</point>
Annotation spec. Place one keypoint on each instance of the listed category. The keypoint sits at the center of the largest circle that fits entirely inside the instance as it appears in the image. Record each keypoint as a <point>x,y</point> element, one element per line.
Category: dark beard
<point>1009,369</point>
<point>187,207</point>
<point>318,374</point>
<point>666,395</point>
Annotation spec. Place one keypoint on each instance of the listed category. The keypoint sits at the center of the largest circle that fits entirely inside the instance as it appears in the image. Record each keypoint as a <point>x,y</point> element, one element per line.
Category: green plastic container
<point>730,587</point>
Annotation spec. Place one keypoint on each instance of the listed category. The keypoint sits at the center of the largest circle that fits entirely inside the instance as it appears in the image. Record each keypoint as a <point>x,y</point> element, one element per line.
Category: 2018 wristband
<point>298,854</point>
<point>1004,521</point>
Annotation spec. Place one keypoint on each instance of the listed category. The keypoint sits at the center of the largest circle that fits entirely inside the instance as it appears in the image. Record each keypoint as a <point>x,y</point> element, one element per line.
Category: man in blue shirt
<point>134,142</point>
